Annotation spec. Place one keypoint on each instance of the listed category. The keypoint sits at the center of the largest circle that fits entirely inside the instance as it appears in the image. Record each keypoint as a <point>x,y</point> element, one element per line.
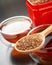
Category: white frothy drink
<point>16,27</point>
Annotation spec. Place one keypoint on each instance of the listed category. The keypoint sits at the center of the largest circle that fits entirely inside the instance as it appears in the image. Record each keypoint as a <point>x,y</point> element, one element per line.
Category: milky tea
<point>15,28</point>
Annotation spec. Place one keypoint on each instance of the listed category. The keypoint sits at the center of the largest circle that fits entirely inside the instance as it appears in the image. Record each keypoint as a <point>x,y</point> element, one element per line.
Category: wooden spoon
<point>32,43</point>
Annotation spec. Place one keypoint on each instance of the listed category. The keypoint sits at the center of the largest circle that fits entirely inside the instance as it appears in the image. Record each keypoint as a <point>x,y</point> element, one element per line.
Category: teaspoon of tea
<point>32,43</point>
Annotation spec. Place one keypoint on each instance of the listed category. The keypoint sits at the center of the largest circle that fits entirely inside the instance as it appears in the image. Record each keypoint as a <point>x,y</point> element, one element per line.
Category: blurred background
<point>9,8</point>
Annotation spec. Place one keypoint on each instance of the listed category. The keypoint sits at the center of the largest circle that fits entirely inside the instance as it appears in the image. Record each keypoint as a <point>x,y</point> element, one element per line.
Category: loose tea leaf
<point>29,42</point>
<point>39,1</point>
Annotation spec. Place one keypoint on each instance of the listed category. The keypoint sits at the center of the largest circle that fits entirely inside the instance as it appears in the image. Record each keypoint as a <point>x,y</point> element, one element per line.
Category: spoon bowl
<point>31,49</point>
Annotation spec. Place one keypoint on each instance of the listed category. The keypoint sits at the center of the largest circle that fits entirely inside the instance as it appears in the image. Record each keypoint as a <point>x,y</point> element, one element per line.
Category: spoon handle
<point>47,31</point>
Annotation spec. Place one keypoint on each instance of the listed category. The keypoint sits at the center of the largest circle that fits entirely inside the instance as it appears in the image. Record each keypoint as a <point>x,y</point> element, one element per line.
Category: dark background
<point>9,8</point>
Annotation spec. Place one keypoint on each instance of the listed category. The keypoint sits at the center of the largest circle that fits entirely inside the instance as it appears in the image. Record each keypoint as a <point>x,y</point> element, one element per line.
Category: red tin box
<point>41,13</point>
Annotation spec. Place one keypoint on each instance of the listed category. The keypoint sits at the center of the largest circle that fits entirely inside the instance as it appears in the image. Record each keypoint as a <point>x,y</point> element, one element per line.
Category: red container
<point>41,13</point>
